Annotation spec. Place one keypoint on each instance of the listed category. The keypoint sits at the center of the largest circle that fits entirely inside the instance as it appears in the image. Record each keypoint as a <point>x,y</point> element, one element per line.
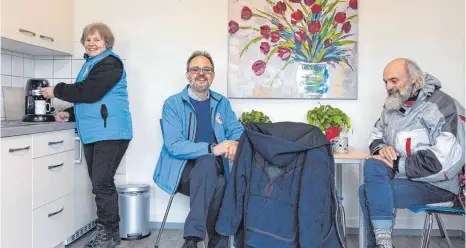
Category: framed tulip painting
<point>293,49</point>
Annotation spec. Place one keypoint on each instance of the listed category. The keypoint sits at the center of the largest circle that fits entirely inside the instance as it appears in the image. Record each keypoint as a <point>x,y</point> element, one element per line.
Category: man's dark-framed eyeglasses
<point>196,70</point>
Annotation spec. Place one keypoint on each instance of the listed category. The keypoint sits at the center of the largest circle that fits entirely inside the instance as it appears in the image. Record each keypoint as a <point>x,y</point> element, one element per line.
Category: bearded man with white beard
<point>417,148</point>
<point>200,136</point>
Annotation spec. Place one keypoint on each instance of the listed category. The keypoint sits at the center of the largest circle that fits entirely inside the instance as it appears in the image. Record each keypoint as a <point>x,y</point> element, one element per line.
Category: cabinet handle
<point>51,143</point>
<point>24,31</point>
<point>46,38</point>
<point>55,166</point>
<point>19,149</point>
<point>55,213</point>
<point>79,160</point>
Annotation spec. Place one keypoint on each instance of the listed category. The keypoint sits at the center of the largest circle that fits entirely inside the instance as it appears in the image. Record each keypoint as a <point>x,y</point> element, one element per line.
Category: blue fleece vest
<point>109,118</point>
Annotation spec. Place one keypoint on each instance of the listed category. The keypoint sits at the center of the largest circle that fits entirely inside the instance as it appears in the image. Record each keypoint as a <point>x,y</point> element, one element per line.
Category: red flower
<point>353,4</point>
<point>297,16</point>
<point>258,67</point>
<point>300,36</point>
<point>265,47</point>
<point>346,27</point>
<point>265,31</point>
<point>309,2</point>
<point>314,27</point>
<point>328,42</point>
<point>284,53</point>
<point>233,27</point>
<point>316,8</point>
<point>340,17</point>
<point>295,1</point>
<point>279,8</point>
<point>246,13</point>
<point>275,36</point>
<point>281,27</point>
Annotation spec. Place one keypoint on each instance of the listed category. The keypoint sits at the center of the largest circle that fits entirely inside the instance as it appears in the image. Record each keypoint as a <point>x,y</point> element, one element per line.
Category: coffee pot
<point>37,107</point>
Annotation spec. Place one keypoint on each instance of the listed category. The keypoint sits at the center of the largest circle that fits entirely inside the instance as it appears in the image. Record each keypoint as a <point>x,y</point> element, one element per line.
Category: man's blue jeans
<point>381,193</point>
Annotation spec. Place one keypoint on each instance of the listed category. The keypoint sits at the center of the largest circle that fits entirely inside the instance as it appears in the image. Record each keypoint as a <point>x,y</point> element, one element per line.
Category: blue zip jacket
<point>179,130</point>
<point>282,189</point>
<point>109,118</point>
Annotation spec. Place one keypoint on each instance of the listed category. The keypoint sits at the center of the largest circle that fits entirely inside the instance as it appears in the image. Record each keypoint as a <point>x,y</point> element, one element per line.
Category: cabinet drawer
<point>53,142</point>
<point>52,177</point>
<point>53,223</point>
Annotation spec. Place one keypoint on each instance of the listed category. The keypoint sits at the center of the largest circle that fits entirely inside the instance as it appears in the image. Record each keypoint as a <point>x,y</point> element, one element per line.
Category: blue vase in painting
<point>312,79</point>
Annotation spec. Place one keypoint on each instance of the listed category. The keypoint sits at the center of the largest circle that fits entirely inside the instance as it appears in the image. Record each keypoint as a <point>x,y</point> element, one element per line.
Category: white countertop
<point>15,128</point>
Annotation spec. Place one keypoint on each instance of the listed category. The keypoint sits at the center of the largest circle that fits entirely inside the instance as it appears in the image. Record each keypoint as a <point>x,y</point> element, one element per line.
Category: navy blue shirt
<point>204,130</point>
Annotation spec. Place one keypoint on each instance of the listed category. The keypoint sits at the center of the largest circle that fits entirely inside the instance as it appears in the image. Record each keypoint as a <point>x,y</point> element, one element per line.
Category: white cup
<point>41,107</point>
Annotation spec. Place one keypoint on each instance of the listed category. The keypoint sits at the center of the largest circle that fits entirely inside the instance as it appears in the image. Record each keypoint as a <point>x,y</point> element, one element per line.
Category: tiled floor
<point>174,239</point>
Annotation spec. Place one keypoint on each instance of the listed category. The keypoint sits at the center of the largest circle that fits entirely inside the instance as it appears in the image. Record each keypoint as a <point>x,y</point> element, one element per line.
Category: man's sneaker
<point>101,239</point>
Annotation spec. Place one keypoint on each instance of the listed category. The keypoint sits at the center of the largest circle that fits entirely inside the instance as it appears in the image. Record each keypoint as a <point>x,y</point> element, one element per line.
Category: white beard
<point>395,100</point>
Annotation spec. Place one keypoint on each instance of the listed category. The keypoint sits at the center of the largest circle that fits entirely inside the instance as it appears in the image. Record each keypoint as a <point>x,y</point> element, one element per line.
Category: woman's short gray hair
<point>415,74</point>
<point>104,31</point>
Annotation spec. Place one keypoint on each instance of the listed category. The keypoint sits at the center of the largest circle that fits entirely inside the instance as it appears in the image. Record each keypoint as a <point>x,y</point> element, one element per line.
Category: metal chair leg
<point>427,229</point>
<point>164,220</point>
<point>442,229</point>
<point>343,217</point>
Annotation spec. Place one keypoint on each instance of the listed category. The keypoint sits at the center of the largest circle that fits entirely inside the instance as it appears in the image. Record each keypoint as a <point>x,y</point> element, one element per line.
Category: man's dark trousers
<point>203,180</point>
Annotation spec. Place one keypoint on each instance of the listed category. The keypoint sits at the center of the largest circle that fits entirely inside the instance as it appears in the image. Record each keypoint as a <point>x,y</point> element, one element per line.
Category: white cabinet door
<point>43,24</point>
<point>16,192</point>
<point>19,20</point>
<point>57,23</point>
<point>85,208</point>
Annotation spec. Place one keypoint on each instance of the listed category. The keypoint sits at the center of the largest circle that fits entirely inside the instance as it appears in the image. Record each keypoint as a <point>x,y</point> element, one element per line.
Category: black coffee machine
<point>37,107</point>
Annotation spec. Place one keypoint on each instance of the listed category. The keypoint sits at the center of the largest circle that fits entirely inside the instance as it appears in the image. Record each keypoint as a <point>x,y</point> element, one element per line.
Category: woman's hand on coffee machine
<point>63,116</point>
<point>47,92</point>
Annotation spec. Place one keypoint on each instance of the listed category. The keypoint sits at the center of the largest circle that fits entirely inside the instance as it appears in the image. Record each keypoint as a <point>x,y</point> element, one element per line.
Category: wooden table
<point>352,157</point>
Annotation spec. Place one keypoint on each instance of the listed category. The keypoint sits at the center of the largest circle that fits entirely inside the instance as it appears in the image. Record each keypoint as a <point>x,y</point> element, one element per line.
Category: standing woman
<point>103,120</point>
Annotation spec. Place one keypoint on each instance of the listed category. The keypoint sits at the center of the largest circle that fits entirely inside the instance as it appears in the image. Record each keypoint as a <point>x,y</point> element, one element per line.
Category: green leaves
<point>327,116</point>
<point>253,116</point>
<point>257,39</point>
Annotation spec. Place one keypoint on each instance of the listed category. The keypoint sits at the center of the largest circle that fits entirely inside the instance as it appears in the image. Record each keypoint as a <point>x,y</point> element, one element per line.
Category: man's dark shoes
<point>191,242</point>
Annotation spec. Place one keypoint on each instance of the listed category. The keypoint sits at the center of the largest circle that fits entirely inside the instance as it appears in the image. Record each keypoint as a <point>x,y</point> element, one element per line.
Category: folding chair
<point>434,210</point>
<point>165,220</point>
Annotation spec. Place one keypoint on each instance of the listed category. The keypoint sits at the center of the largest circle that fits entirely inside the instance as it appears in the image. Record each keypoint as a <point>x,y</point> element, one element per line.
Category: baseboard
<point>350,230</point>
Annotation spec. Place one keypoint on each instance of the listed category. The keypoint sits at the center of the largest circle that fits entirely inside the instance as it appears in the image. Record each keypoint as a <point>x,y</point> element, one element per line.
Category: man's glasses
<point>196,70</point>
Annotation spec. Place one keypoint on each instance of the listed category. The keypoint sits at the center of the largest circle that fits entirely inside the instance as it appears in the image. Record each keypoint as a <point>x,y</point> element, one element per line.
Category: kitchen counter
<point>15,128</point>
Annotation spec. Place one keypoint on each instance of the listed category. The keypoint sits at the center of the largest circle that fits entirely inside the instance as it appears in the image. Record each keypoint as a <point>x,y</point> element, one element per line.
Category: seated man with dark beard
<point>417,146</point>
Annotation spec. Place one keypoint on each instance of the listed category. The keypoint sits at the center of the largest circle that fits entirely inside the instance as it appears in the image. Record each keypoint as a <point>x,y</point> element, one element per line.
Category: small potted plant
<point>329,119</point>
<point>253,116</point>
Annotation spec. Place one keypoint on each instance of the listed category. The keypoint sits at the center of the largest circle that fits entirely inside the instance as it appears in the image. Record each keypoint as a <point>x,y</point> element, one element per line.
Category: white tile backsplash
<point>17,66</point>
<point>6,80</point>
<point>18,81</point>
<point>76,65</point>
<point>62,68</point>
<point>43,68</point>
<point>6,64</point>
<point>28,68</point>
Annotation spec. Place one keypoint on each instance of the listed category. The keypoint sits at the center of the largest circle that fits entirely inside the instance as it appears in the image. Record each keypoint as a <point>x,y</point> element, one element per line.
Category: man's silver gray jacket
<point>428,134</point>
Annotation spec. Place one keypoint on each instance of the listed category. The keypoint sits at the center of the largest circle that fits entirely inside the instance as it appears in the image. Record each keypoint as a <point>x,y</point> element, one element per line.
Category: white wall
<point>157,36</point>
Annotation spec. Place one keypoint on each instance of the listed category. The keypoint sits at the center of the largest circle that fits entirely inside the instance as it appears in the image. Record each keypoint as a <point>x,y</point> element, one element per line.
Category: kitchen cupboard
<point>44,27</point>
<point>45,190</point>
